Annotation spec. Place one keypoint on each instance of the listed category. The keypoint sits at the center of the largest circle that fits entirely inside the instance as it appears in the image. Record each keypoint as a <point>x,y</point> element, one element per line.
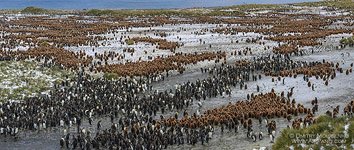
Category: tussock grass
<point>110,76</point>
<point>34,10</point>
<point>340,4</point>
<point>130,42</point>
<point>19,79</point>
<point>326,128</point>
<point>161,12</point>
<point>348,41</point>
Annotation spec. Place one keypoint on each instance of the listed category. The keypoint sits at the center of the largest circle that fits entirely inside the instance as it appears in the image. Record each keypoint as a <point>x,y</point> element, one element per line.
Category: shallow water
<point>131,4</point>
<point>327,95</point>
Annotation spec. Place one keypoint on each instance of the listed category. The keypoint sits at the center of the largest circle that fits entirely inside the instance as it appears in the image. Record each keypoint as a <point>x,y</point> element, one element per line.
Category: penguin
<point>254,137</point>
<point>260,136</point>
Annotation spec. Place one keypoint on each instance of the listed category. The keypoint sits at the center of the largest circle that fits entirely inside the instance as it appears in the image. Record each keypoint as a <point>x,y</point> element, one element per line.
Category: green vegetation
<point>9,11</point>
<point>161,12</point>
<point>34,10</point>
<point>110,76</point>
<point>347,41</point>
<point>217,11</point>
<point>19,79</point>
<point>97,12</point>
<point>129,41</point>
<point>340,4</point>
<point>250,7</point>
<point>44,44</point>
<point>138,13</point>
<point>330,133</point>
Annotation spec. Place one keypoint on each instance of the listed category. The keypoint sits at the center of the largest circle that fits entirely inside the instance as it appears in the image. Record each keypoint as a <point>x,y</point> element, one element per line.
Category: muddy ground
<point>339,91</point>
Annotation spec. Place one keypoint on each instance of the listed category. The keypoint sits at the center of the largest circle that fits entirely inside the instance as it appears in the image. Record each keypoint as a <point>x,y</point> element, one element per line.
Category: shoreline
<point>240,7</point>
<point>162,7</point>
<point>116,37</point>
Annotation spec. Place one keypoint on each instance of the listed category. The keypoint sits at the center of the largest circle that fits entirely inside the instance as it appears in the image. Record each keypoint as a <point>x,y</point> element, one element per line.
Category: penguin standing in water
<point>200,105</point>
<point>272,137</point>
<point>254,137</point>
<point>99,125</point>
<point>249,133</point>
<point>62,141</point>
<point>260,136</point>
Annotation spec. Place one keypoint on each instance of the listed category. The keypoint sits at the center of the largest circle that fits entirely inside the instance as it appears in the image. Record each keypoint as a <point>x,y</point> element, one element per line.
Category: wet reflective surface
<point>131,4</point>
